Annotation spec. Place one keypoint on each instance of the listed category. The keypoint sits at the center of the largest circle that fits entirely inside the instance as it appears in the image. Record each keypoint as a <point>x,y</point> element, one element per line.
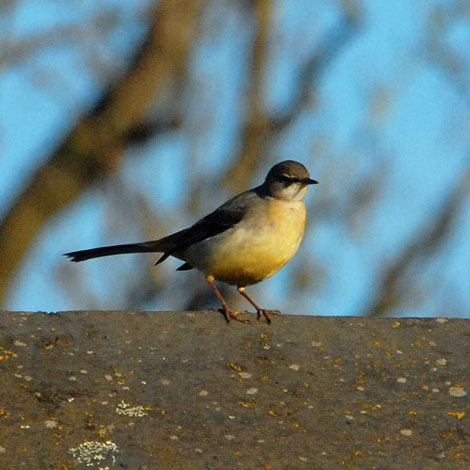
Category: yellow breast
<point>256,248</point>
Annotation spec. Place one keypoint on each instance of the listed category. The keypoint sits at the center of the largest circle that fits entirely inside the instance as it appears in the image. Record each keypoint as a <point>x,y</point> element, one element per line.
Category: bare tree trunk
<point>95,146</point>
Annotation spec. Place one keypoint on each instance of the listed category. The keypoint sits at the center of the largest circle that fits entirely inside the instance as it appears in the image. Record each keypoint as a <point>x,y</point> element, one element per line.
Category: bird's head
<point>288,180</point>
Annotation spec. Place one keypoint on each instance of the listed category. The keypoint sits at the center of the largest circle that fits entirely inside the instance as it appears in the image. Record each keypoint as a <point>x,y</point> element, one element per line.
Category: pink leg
<point>227,312</point>
<point>260,311</point>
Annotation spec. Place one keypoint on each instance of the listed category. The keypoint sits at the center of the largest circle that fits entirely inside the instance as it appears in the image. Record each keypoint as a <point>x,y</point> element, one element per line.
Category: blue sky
<point>382,111</point>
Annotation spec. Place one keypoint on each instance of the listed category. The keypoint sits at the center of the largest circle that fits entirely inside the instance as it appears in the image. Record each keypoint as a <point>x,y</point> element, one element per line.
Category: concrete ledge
<point>184,390</point>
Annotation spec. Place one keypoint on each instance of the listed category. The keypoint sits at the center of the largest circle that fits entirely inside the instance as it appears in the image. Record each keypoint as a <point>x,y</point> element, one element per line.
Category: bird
<point>243,242</point>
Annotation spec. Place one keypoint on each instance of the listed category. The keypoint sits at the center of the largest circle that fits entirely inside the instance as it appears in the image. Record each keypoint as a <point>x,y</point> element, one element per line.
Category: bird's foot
<point>229,314</point>
<point>236,316</point>
<point>265,313</point>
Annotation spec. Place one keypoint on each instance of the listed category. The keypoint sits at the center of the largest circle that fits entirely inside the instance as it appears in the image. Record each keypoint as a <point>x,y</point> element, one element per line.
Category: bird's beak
<point>309,181</point>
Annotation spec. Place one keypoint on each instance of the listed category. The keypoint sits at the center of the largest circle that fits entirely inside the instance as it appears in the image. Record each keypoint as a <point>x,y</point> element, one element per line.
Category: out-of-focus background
<point>124,121</point>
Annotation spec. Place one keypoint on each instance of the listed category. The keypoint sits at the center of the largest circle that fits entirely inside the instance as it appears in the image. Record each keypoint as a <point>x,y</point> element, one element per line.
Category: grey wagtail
<point>246,240</point>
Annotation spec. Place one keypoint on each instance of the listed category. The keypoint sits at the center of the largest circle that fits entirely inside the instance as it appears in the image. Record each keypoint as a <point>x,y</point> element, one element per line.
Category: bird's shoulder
<point>229,213</point>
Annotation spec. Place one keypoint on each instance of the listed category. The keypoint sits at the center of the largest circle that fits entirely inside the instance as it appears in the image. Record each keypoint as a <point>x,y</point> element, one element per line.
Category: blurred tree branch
<point>426,242</point>
<point>94,147</point>
<point>261,130</point>
<point>16,51</point>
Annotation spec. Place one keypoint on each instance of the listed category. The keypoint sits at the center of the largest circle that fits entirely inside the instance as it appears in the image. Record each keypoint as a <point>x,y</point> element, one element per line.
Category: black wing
<point>223,218</point>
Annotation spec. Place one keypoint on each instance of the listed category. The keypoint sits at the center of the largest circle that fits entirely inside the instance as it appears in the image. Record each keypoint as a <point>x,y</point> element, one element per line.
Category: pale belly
<point>255,249</point>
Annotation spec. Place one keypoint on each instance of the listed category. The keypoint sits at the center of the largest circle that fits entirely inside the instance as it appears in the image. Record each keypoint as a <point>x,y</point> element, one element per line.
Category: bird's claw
<point>229,314</point>
<point>265,313</point>
<point>236,316</point>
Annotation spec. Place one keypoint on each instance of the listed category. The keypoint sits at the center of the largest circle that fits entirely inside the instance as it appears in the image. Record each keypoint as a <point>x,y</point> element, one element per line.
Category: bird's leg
<point>227,312</point>
<point>260,311</point>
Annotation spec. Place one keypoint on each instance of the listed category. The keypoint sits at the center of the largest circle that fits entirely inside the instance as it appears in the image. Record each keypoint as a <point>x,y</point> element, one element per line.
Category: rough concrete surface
<point>173,390</point>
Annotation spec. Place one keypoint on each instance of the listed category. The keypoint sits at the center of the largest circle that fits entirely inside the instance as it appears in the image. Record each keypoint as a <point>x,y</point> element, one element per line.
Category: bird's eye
<point>289,179</point>
<point>286,179</point>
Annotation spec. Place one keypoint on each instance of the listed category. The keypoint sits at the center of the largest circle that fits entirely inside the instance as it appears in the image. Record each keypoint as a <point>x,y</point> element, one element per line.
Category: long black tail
<point>145,247</point>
